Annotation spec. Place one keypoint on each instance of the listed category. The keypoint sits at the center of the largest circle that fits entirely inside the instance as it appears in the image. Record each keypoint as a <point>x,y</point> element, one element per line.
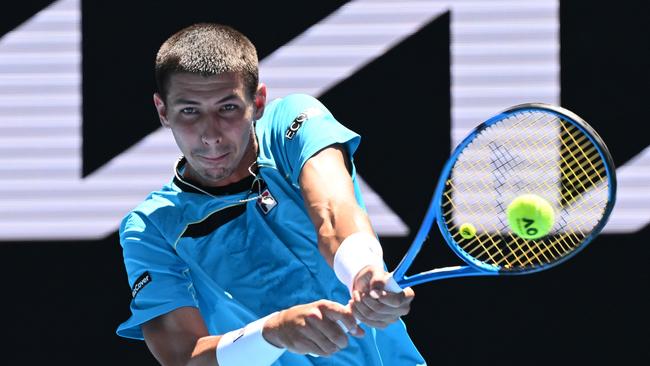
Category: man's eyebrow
<point>227,98</point>
<point>185,101</point>
<point>192,102</point>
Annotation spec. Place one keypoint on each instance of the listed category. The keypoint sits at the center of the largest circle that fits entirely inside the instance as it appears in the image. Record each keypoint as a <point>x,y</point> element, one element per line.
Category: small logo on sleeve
<point>298,121</point>
<point>295,126</point>
<point>266,202</point>
<point>140,283</point>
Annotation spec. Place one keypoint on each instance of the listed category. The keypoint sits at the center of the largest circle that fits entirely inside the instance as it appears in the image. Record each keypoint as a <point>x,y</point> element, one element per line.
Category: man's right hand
<point>312,328</point>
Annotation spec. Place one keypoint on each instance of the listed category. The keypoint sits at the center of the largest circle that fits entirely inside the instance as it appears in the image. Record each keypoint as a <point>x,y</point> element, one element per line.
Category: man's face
<point>211,119</point>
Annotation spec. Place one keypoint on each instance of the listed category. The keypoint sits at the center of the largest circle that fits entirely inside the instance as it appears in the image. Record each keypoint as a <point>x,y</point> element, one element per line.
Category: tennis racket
<point>530,148</point>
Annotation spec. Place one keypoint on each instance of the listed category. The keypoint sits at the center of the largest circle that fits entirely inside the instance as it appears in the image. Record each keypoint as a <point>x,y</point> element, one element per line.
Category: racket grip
<point>392,286</point>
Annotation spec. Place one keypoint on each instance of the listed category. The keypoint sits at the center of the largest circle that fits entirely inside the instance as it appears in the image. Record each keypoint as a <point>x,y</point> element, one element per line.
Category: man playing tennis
<point>259,251</point>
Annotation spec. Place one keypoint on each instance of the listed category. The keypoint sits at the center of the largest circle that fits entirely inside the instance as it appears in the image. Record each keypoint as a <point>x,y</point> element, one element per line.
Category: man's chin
<point>215,177</point>
<point>210,176</point>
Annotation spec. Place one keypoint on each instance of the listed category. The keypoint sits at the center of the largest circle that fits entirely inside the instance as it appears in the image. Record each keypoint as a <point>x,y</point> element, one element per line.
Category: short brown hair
<point>207,49</point>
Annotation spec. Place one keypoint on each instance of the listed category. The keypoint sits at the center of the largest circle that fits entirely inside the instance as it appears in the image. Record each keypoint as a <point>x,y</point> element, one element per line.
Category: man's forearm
<point>204,354</point>
<point>335,223</point>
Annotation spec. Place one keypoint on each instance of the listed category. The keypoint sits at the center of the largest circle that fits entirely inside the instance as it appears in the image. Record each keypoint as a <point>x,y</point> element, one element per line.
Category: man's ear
<point>162,110</point>
<point>260,101</point>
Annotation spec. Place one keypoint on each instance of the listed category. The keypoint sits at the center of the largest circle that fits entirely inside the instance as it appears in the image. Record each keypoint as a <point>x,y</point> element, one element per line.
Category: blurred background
<point>80,145</point>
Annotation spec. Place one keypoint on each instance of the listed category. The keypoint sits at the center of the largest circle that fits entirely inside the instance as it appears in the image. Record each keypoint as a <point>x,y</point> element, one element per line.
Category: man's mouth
<point>213,158</point>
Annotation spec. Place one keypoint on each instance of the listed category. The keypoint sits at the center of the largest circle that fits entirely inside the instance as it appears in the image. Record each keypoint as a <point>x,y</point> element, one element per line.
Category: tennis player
<point>258,251</point>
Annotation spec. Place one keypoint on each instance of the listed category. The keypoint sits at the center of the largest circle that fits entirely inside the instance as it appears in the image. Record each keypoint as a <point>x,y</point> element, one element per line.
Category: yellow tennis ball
<point>467,230</point>
<point>530,216</point>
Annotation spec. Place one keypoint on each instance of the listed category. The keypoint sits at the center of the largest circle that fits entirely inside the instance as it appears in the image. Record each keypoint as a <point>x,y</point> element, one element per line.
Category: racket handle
<point>392,286</point>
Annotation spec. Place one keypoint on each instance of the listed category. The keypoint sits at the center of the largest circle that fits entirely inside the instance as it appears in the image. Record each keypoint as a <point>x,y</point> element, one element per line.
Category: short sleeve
<point>159,279</point>
<point>307,127</point>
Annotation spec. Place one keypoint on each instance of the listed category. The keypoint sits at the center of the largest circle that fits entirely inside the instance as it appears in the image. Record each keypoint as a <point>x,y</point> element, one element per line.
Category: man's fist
<point>312,328</point>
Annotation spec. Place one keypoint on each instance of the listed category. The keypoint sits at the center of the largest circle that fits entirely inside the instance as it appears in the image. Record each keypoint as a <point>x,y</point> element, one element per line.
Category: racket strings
<point>529,152</point>
<point>574,184</point>
<point>477,243</point>
<point>586,156</point>
<point>572,238</point>
<point>577,144</point>
<point>596,170</point>
<point>482,250</point>
<point>503,159</point>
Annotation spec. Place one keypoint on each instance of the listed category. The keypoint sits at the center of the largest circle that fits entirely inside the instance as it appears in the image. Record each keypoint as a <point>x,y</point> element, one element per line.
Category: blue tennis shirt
<point>241,252</point>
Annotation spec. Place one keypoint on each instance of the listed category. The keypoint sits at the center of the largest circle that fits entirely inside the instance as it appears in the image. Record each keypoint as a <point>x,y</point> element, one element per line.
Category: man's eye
<point>230,107</point>
<point>189,110</point>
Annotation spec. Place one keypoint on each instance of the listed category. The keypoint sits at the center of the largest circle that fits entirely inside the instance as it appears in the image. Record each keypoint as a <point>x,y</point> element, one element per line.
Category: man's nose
<point>212,132</point>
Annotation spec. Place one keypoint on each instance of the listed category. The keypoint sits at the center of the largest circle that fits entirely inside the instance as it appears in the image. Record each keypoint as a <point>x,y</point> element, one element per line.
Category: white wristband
<point>355,252</point>
<point>247,346</point>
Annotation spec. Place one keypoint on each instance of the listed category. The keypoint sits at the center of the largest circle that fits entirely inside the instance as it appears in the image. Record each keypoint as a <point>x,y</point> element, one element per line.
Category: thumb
<point>362,280</point>
<point>378,283</point>
<point>370,278</point>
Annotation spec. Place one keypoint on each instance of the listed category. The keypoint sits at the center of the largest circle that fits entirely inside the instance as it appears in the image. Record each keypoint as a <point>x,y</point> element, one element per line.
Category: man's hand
<point>312,328</point>
<point>373,305</point>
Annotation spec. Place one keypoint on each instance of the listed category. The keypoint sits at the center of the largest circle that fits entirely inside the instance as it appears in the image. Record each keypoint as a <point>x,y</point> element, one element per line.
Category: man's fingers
<point>376,305</point>
<point>314,328</point>
<point>388,303</point>
<point>373,304</point>
<point>308,339</point>
<point>372,322</point>
<point>323,330</point>
<point>307,345</point>
<point>368,316</point>
<point>377,282</point>
<point>362,307</point>
<point>362,282</point>
<point>400,300</point>
<point>343,317</point>
<point>331,329</point>
<point>327,334</point>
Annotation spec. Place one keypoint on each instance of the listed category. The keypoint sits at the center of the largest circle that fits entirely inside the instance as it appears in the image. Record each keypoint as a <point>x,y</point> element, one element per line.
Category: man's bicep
<point>172,337</point>
<point>303,128</point>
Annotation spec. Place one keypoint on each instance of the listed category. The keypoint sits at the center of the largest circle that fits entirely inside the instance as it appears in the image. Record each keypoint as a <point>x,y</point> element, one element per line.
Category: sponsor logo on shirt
<point>298,121</point>
<point>140,283</point>
<point>266,202</point>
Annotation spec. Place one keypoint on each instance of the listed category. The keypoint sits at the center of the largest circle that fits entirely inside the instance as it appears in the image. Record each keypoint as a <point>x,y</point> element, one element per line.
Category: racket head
<point>529,148</point>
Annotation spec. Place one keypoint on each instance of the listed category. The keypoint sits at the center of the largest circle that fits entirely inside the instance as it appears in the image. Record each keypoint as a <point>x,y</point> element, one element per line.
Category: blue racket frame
<point>434,211</point>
